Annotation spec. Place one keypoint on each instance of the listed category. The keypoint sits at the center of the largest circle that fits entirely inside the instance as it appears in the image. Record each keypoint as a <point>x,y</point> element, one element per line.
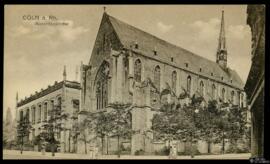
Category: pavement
<point>14,154</point>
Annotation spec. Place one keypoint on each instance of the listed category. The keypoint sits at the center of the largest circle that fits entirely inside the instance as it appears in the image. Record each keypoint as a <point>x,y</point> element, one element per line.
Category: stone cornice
<point>48,90</point>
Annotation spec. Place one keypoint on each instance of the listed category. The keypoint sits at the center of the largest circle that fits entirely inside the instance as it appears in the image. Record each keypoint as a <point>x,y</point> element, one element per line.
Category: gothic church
<point>128,65</point>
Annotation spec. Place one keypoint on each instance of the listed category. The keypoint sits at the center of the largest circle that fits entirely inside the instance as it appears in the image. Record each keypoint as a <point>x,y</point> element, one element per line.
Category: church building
<point>130,66</point>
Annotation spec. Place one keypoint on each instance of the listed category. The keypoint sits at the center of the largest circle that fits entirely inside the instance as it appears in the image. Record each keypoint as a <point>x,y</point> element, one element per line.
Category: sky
<point>35,55</point>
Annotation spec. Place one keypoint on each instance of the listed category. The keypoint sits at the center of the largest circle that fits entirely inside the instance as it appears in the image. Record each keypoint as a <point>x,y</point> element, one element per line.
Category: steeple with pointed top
<point>222,50</point>
<point>64,74</point>
<point>17,97</point>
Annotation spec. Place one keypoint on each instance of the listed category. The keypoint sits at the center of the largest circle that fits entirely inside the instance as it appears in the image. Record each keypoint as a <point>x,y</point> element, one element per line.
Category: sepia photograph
<point>108,81</point>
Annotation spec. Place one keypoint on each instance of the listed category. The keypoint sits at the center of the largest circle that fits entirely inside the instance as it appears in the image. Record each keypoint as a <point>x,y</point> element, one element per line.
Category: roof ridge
<point>127,34</point>
<point>167,42</point>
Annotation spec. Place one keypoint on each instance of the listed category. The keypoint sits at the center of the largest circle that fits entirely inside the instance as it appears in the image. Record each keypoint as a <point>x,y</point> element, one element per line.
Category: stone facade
<point>255,83</point>
<point>37,107</point>
<point>128,65</point>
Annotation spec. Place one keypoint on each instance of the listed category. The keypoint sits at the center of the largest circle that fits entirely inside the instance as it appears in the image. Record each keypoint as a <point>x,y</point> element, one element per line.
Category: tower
<point>64,74</point>
<point>222,50</point>
<point>17,98</point>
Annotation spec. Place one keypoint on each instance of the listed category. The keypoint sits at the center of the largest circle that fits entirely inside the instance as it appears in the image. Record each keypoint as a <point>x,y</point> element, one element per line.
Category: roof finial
<point>104,9</point>
<point>64,73</point>
<point>76,73</point>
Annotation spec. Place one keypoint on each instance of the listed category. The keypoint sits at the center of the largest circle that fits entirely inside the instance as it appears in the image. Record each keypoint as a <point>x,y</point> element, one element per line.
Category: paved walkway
<point>13,154</point>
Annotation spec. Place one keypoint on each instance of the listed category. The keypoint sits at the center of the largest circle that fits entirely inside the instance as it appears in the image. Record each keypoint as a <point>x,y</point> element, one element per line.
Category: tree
<point>174,122</point>
<point>237,128</point>
<point>54,126</point>
<point>98,124</point>
<point>23,130</point>
<point>114,122</point>
<point>120,125</point>
<point>9,130</point>
<point>222,121</point>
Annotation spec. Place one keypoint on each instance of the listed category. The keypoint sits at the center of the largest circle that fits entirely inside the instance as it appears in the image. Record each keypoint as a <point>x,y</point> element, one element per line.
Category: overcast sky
<point>34,55</point>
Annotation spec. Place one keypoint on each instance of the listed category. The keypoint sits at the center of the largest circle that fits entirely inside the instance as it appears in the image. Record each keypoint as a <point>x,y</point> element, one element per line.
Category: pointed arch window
<point>174,78</point>
<point>102,86</point>
<point>157,77</point>
<point>202,88</point>
<point>223,94</point>
<point>213,91</point>
<point>138,70</point>
<point>98,94</point>
<point>232,97</point>
<point>188,84</point>
<point>242,100</point>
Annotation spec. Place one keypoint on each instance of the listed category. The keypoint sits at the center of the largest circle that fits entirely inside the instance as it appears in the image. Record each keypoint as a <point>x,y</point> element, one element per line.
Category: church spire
<point>17,97</point>
<point>64,74</point>
<point>222,50</point>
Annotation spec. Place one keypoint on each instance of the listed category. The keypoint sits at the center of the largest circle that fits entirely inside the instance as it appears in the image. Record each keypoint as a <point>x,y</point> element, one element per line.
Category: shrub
<point>187,152</point>
<point>234,149</point>
<point>164,151</point>
<point>139,152</point>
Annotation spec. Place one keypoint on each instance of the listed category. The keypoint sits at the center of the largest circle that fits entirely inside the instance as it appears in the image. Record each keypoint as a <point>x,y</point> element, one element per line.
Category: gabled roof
<point>147,43</point>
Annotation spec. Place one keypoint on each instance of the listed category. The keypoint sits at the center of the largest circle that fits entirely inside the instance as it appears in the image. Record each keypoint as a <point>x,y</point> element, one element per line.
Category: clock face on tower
<point>222,56</point>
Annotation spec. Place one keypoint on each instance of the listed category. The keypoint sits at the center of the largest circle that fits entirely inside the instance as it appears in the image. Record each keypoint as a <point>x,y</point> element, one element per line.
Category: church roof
<point>147,44</point>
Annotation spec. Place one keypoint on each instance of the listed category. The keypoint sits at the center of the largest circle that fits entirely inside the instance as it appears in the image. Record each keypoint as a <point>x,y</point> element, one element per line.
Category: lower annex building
<point>66,96</point>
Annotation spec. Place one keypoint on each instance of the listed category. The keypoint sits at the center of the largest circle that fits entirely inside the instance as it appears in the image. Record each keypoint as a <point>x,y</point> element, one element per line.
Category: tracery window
<point>174,78</point>
<point>102,86</point>
<point>137,70</point>
<point>157,77</point>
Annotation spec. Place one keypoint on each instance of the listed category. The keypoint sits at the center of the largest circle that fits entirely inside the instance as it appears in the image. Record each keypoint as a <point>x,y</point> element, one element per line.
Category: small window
<point>200,69</point>
<point>231,81</point>
<point>155,52</point>
<point>186,64</point>
<point>211,74</point>
<point>171,59</point>
<point>222,78</point>
<point>136,45</point>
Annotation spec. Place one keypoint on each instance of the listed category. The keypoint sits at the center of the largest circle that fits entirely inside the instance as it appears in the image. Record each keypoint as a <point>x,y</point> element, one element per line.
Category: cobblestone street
<point>13,154</point>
